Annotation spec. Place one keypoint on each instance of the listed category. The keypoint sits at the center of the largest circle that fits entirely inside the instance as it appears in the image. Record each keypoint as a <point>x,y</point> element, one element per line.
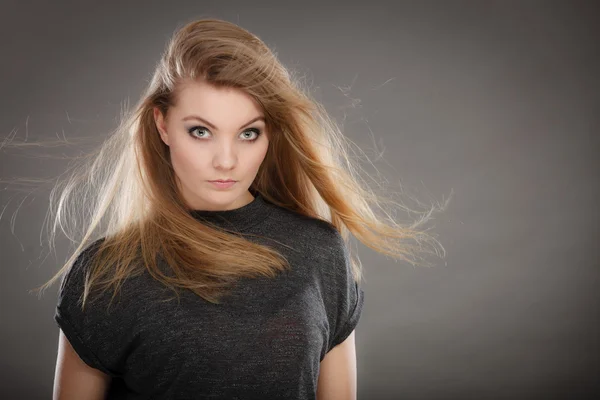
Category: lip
<point>223,184</point>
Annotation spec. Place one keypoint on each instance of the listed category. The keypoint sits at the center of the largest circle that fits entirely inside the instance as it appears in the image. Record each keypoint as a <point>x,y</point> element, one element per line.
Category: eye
<point>205,130</point>
<point>252,130</point>
<point>200,128</point>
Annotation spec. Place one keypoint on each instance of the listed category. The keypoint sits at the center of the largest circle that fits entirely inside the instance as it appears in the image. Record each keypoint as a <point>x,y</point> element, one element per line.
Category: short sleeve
<point>89,331</point>
<point>348,296</point>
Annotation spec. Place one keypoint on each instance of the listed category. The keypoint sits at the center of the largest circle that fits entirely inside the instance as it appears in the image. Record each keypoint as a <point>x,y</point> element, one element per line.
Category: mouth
<point>223,181</point>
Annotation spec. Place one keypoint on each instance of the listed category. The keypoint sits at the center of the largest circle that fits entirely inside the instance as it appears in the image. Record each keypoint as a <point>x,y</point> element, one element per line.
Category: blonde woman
<point>215,262</point>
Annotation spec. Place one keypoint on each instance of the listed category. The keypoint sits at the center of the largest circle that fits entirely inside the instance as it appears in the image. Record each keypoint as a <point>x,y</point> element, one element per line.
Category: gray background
<point>496,101</point>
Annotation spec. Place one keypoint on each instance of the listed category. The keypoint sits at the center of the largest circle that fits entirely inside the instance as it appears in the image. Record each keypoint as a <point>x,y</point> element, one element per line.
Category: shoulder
<point>77,269</point>
<point>318,234</point>
<point>90,249</point>
<point>88,252</point>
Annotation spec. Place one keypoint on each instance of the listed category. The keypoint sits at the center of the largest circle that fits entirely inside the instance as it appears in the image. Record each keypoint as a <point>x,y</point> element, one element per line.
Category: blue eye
<point>202,128</point>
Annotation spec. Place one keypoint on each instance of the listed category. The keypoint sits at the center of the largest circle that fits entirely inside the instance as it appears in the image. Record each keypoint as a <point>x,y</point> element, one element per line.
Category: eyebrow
<point>190,117</point>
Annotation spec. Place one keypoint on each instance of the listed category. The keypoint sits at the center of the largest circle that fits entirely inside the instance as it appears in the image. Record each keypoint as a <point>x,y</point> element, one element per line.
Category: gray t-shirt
<point>264,341</point>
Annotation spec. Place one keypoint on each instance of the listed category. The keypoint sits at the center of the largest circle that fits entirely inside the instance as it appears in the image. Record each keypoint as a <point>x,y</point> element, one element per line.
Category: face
<point>214,134</point>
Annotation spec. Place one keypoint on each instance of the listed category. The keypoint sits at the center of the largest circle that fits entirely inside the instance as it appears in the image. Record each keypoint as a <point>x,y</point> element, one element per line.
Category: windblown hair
<point>128,192</point>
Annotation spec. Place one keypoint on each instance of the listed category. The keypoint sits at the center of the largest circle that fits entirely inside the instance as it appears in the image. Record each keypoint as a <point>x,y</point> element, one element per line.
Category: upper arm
<point>337,374</point>
<point>73,378</point>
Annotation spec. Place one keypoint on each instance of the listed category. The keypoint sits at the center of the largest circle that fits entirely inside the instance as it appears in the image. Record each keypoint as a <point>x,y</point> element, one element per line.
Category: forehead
<point>199,96</point>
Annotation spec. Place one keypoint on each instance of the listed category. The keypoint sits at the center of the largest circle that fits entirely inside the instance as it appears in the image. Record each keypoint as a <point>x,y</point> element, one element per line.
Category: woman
<point>230,187</point>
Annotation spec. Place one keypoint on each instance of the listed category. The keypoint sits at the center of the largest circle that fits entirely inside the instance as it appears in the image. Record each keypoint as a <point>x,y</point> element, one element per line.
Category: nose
<point>225,156</point>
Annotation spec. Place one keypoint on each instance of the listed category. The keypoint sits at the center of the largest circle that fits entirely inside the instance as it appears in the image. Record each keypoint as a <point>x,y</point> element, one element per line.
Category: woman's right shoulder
<point>78,267</point>
<point>88,252</point>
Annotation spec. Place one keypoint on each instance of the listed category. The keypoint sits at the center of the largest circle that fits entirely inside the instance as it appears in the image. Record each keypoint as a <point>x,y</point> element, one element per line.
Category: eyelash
<point>255,130</point>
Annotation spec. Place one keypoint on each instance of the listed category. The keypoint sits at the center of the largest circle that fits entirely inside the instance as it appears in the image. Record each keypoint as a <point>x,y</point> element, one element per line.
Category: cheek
<point>259,155</point>
<point>187,159</point>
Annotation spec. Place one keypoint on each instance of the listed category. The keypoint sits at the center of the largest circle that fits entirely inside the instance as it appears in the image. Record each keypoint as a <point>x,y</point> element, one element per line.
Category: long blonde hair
<point>128,194</point>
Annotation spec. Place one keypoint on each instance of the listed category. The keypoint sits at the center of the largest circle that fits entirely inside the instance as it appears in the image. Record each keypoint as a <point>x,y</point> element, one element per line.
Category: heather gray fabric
<point>265,341</point>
